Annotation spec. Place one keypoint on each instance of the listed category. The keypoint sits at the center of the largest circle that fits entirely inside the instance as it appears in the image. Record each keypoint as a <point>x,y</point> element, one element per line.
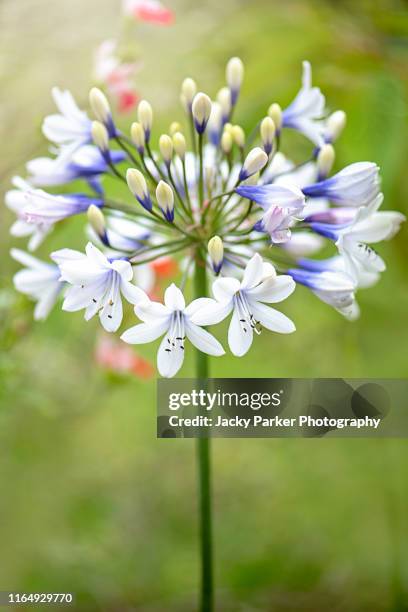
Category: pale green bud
<point>100,135</point>
<point>99,105</point>
<point>275,113</point>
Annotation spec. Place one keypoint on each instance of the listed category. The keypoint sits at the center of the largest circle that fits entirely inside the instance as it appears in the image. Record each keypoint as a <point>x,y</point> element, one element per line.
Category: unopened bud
<point>234,75</point>
<point>325,161</point>
<point>100,136</point>
<point>165,199</point>
<point>215,123</point>
<point>226,142</point>
<point>174,127</point>
<point>137,185</point>
<point>229,127</point>
<point>254,162</point>
<point>188,91</point>
<point>267,134</point>
<point>335,125</point>
<point>97,222</point>
<point>201,110</point>
<point>100,105</point>
<point>216,253</point>
<point>238,135</point>
<point>224,100</point>
<point>180,146</point>
<point>275,113</point>
<point>138,136</point>
<point>145,117</point>
<point>166,148</point>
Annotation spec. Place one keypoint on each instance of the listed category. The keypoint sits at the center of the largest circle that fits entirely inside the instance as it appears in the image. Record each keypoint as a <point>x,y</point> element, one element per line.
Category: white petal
<point>150,312</point>
<point>112,313</point>
<point>272,290</point>
<point>45,303</point>
<point>173,298</point>
<point>169,363</point>
<point>203,340</point>
<point>145,332</point>
<point>212,313</point>
<point>133,294</point>
<point>225,288</point>
<point>272,319</point>
<point>253,272</point>
<point>197,305</point>
<point>239,340</point>
<point>96,256</point>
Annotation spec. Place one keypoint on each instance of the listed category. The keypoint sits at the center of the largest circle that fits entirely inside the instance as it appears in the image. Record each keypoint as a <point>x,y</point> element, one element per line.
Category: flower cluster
<point>231,208</point>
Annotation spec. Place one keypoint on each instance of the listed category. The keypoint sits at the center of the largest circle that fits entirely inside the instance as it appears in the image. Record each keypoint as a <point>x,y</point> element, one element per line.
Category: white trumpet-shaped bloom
<point>69,129</point>
<point>16,200</point>
<point>97,284</point>
<point>39,280</point>
<point>304,114</point>
<point>247,300</point>
<point>356,185</point>
<point>282,206</point>
<point>173,320</point>
<point>369,226</point>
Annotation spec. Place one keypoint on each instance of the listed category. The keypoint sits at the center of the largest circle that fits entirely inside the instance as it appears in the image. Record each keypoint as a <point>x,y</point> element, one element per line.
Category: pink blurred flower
<point>117,76</point>
<point>152,11</point>
<point>114,356</point>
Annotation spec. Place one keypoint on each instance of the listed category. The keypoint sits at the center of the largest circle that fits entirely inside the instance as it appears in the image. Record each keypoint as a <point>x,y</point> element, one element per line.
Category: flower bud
<point>137,185</point>
<point>97,222</point>
<point>267,134</point>
<point>229,127</point>
<point>180,146</point>
<point>238,135</point>
<point>145,117</point>
<point>334,125</point>
<point>275,113</point>
<point>175,127</point>
<point>138,136</point>
<point>188,91</point>
<point>165,199</point>
<point>325,161</point>
<point>254,162</point>
<point>226,142</point>
<point>100,105</point>
<point>166,148</point>
<point>100,136</point>
<point>215,124</point>
<point>234,75</point>
<point>216,253</point>
<point>224,100</point>
<point>201,110</point>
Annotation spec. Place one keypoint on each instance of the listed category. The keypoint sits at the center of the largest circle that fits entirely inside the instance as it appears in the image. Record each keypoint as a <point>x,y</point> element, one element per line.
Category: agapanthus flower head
<point>215,205</point>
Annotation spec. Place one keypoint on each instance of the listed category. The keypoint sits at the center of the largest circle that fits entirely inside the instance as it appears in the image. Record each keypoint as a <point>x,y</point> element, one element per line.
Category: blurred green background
<point>90,501</point>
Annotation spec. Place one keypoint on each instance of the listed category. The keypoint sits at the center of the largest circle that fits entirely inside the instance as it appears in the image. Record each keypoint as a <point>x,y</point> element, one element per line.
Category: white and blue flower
<point>39,280</point>
<point>70,129</point>
<point>282,205</point>
<point>332,287</point>
<point>86,163</point>
<point>247,301</point>
<point>97,284</point>
<point>356,185</point>
<point>306,111</point>
<point>174,321</point>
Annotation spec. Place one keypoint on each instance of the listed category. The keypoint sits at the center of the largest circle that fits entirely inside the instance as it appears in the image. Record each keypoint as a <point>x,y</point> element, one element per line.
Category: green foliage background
<point>90,501</point>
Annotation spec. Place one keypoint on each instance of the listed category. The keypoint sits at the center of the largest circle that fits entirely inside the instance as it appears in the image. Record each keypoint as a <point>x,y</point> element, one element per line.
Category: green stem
<point>204,468</point>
